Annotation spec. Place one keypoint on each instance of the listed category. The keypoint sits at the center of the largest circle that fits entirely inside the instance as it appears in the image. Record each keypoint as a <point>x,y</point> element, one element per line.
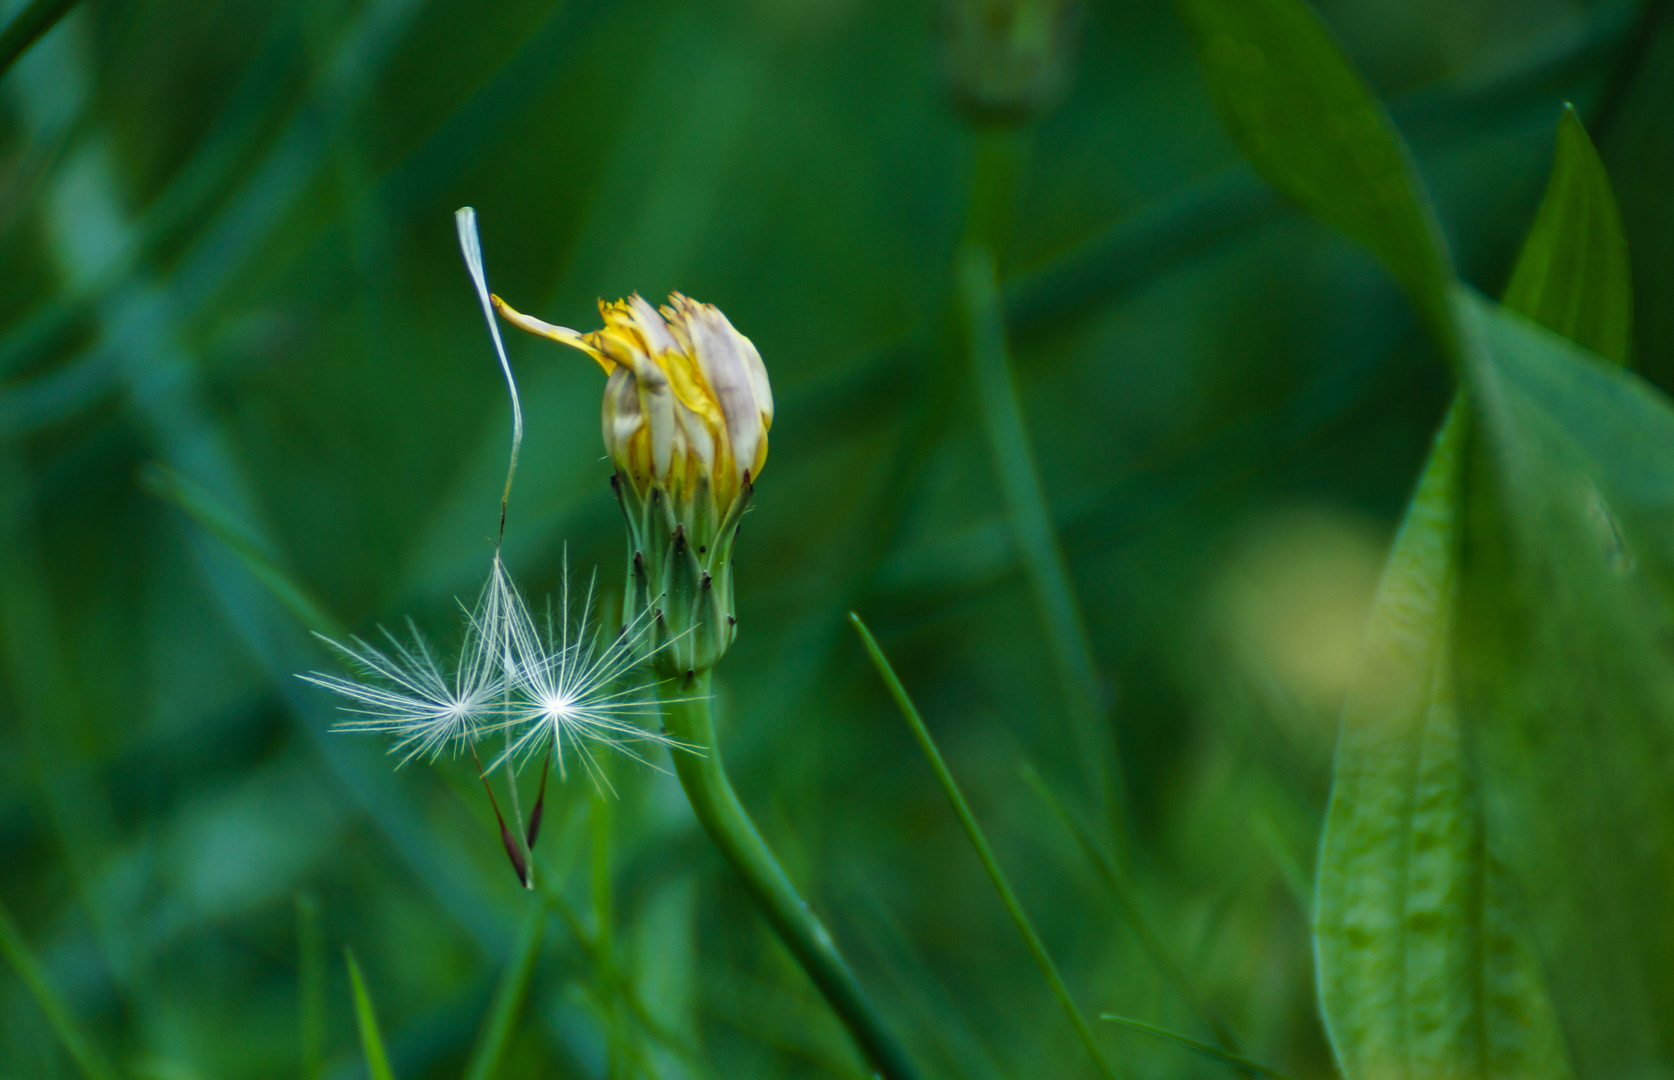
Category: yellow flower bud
<point>687,407</point>
<point>688,397</point>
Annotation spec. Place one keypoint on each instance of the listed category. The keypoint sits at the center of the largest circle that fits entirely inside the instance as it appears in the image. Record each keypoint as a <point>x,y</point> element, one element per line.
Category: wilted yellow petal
<point>562,335</point>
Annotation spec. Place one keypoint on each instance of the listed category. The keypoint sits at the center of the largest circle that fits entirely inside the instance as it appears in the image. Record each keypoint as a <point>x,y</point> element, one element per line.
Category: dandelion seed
<point>571,685</point>
<point>407,693</point>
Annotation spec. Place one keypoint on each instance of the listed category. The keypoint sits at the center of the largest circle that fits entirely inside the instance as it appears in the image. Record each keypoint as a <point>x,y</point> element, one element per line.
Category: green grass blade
<point>371,1040</point>
<point>63,1023</point>
<point>1237,1061</point>
<point>603,828</point>
<point>1310,125</point>
<point>207,511</point>
<point>620,985</point>
<point>1122,892</point>
<point>509,996</point>
<point>950,786</point>
<point>311,985</point>
<point>1573,275</point>
<point>1032,527</point>
<point>28,26</point>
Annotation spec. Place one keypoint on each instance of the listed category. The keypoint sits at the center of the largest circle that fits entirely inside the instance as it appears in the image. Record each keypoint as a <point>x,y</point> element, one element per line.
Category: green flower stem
<point>999,154</point>
<point>1032,528</point>
<point>688,717</point>
<point>985,854</point>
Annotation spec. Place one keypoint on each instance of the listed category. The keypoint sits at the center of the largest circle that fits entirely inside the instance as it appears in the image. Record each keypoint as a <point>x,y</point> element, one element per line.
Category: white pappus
<point>551,688</point>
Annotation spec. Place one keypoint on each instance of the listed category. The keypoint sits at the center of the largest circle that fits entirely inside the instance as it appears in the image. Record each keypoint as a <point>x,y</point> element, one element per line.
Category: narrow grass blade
<point>1242,1064</point>
<point>371,1040</point>
<point>509,997</point>
<point>28,26</point>
<point>166,484</point>
<point>980,842</point>
<point>619,984</point>
<point>1032,527</point>
<point>1297,880</point>
<point>63,1023</point>
<point>604,915</point>
<point>311,985</point>
<point>1122,892</point>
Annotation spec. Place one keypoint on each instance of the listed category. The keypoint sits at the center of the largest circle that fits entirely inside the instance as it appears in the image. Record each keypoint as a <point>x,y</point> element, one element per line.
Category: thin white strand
<point>465,221</point>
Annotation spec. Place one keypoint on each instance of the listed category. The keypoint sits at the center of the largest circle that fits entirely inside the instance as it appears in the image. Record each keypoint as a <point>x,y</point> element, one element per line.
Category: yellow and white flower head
<point>687,408</point>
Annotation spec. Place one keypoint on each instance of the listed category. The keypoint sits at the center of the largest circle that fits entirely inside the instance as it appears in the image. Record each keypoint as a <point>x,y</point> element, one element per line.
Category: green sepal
<point>680,573</point>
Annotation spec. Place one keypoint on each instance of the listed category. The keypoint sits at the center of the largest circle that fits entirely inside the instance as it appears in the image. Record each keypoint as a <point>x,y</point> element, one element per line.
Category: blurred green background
<point>227,250</point>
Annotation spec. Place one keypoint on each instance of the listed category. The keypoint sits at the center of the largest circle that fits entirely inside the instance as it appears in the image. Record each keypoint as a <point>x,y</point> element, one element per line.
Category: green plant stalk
<point>617,983</point>
<point>509,996</point>
<point>311,985</point>
<point>1032,528</point>
<point>999,154</point>
<point>63,1022</point>
<point>689,718</point>
<point>604,916</point>
<point>985,854</point>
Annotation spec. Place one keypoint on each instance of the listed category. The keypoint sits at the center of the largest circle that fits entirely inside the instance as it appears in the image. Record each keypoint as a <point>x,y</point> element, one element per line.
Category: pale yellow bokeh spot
<point>1295,595</point>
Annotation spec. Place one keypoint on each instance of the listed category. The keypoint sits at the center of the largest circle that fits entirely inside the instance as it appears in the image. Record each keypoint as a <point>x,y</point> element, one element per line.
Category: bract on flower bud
<point>687,408</point>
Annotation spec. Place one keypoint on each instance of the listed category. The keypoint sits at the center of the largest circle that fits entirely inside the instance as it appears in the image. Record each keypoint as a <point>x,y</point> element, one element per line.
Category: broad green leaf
<point>371,1039</point>
<point>1309,123</point>
<point>1572,275</point>
<point>1420,972</point>
<point>1567,675</point>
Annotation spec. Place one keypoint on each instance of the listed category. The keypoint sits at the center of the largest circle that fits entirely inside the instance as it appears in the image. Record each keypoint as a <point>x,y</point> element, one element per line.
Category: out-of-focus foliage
<point>226,233</point>
<point>1309,124</point>
<point>1424,953</point>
